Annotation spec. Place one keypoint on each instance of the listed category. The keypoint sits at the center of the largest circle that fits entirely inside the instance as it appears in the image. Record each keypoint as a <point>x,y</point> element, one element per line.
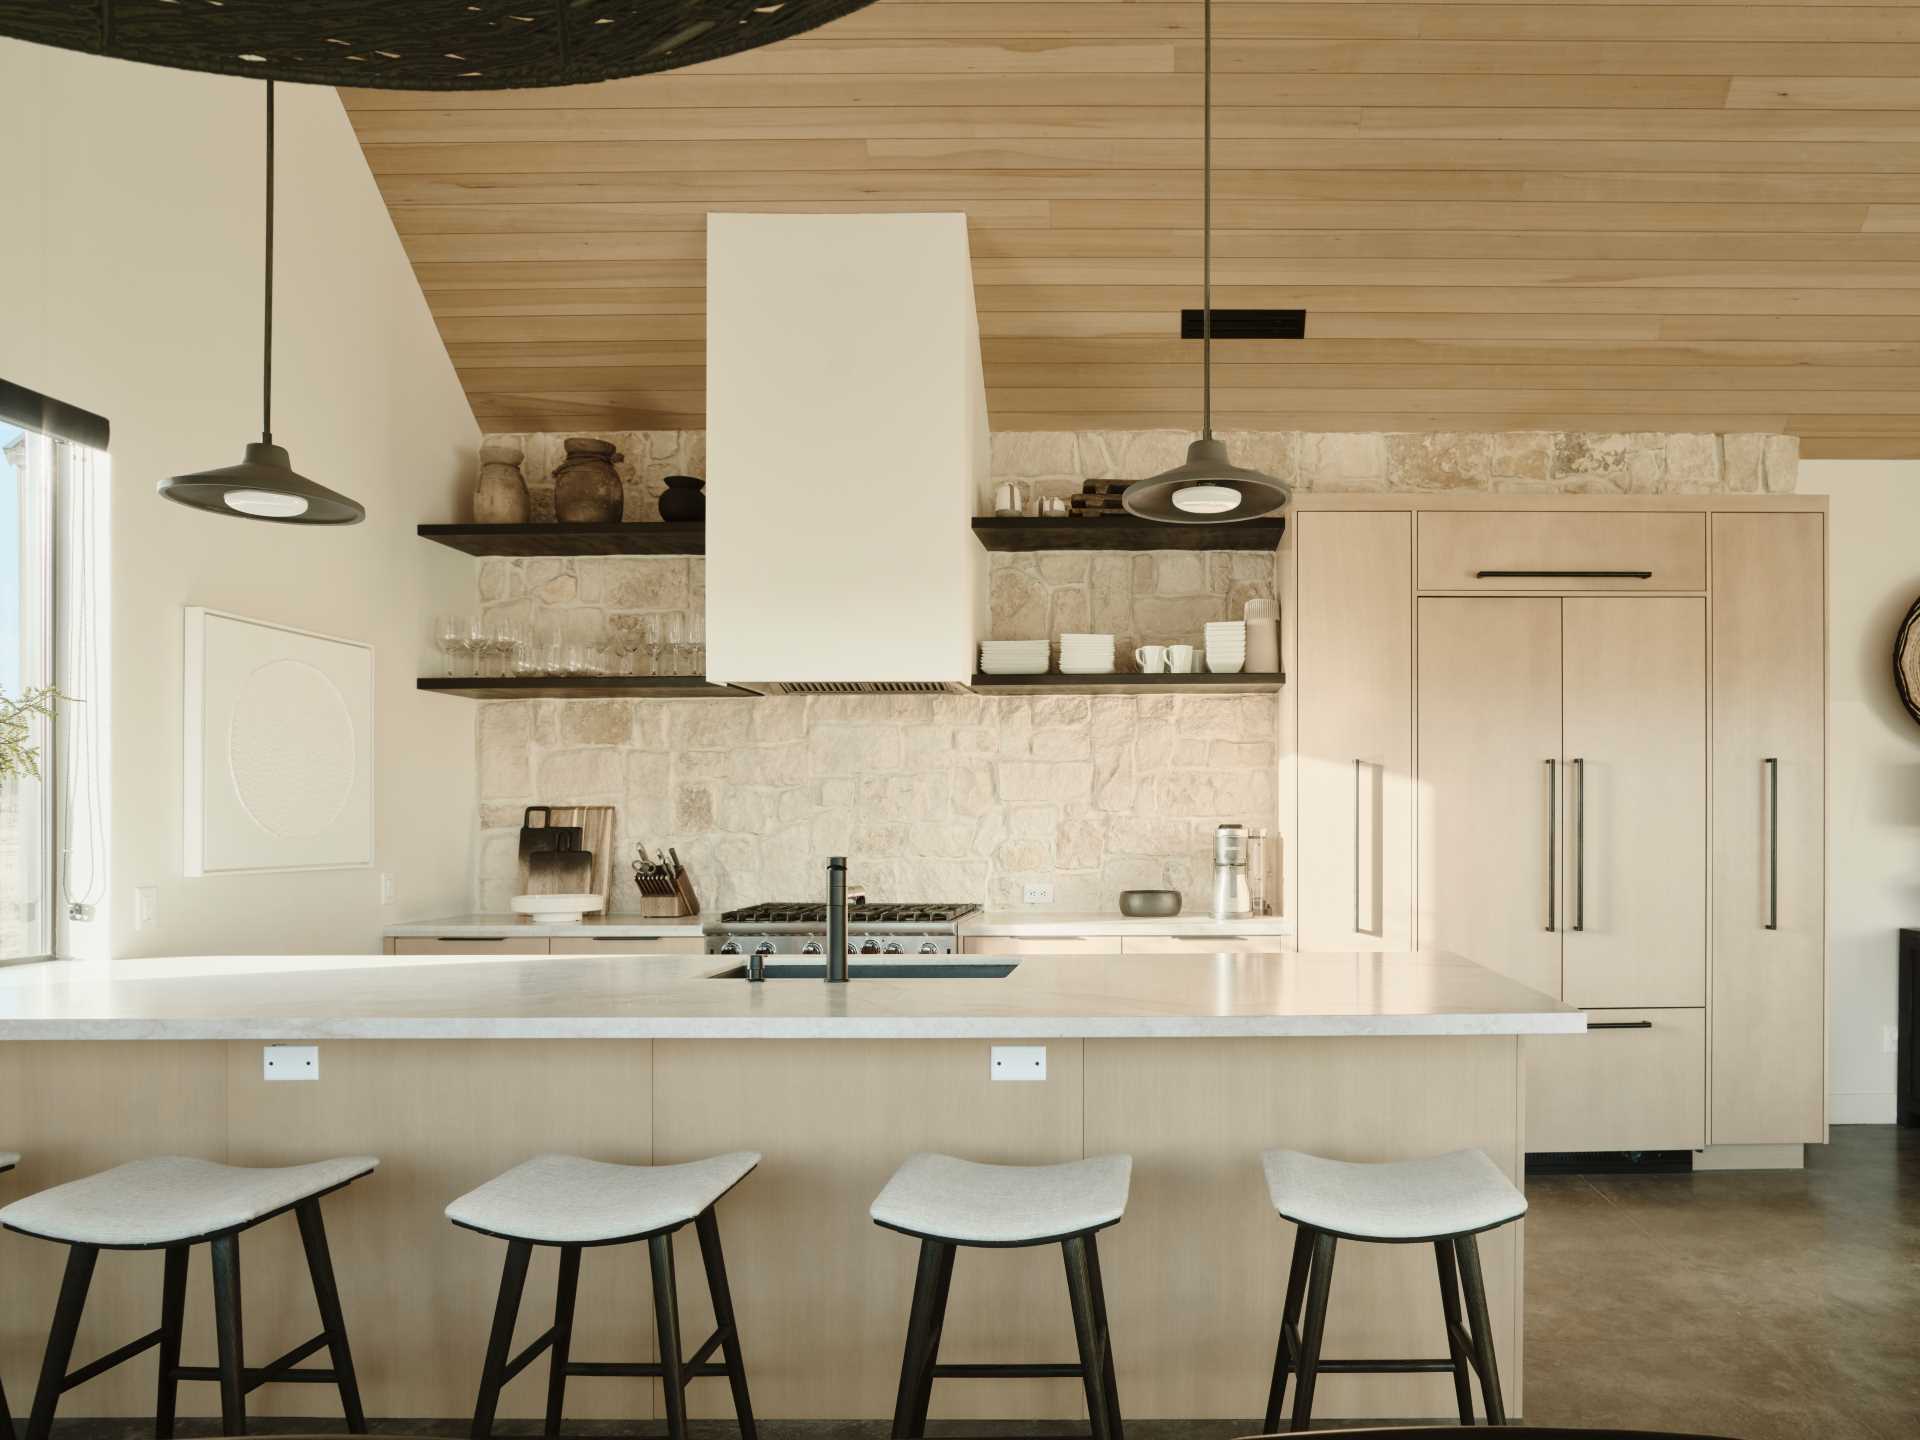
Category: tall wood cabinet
<point>1614,790</point>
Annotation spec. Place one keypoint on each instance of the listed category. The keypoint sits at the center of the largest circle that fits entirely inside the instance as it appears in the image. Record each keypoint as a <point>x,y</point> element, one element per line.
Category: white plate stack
<point>1014,657</point>
<point>1226,646</point>
<point>1086,654</point>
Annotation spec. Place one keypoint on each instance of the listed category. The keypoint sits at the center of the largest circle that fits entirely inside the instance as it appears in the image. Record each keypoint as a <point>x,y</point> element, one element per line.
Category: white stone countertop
<point>1052,924</point>
<point>518,927</point>
<point>309,997</point>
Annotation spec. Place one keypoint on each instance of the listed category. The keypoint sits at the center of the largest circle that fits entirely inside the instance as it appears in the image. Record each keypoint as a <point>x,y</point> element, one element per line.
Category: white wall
<point>1874,561</point>
<point>130,284</point>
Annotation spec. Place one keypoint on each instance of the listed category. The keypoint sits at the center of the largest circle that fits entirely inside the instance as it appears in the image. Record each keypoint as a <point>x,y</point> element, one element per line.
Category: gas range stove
<point>800,928</point>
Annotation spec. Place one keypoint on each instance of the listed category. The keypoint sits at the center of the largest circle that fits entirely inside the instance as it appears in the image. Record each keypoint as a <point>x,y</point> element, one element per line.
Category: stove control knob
<point>812,947</point>
<point>729,948</point>
<point>894,947</point>
<point>765,947</point>
<point>870,947</point>
<point>927,947</point>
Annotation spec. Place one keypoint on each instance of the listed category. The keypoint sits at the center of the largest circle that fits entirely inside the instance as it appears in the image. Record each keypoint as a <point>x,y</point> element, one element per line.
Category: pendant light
<point>265,486</point>
<point>1209,489</point>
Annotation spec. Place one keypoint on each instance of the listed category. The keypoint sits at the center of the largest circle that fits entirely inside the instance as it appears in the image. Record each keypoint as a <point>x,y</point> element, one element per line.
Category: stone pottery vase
<point>586,487</point>
<point>500,498</point>
<point>685,498</point>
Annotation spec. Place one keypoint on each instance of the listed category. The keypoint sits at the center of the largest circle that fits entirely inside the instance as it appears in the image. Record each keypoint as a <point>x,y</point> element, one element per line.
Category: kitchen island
<point>454,1068</point>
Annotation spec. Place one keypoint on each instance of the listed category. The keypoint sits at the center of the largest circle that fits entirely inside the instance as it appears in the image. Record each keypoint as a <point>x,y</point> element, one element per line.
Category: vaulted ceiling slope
<point>1604,216</point>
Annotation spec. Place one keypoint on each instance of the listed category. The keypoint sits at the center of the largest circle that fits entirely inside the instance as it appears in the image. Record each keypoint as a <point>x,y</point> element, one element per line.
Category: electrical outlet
<point>291,1062</point>
<point>1038,894</point>
<point>1890,1039</point>
<point>386,889</point>
<point>146,906</point>
<point>1018,1062</point>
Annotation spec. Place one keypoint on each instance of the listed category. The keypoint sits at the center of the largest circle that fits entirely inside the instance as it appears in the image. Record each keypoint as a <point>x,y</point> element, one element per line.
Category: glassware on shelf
<point>450,636</point>
<point>674,644</point>
<point>650,644</point>
<point>697,643</point>
<point>626,645</point>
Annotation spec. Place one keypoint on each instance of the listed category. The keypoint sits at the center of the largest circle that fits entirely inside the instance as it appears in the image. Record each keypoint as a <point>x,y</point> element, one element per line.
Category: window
<point>52,859</point>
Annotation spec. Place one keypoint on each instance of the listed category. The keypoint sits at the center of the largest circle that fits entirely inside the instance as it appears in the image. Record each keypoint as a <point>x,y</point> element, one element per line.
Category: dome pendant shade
<point>1209,489</point>
<point>1196,493</point>
<point>264,486</point>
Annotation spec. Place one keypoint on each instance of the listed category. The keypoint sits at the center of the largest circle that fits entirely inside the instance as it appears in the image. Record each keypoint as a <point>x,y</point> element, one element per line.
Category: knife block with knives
<point>666,892</point>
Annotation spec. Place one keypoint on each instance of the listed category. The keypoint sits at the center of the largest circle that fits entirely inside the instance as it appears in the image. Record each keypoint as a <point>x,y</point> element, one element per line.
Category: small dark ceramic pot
<point>685,498</point>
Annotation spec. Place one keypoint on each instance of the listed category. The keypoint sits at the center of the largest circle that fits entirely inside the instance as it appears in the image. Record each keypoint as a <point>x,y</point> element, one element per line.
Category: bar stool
<point>173,1203</point>
<point>945,1203</point>
<point>8,1159</point>
<point>570,1204</point>
<point>1442,1200</point>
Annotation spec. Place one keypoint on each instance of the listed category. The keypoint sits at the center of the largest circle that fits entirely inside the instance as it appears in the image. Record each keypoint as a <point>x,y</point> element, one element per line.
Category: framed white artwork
<point>279,730</point>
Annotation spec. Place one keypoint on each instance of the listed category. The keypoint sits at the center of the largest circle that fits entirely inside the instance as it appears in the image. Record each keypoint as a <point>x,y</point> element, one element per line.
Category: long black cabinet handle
<point>1553,837</point>
<point>1579,843</point>
<point>1772,762</point>
<point>1619,1025</point>
<point>1563,574</point>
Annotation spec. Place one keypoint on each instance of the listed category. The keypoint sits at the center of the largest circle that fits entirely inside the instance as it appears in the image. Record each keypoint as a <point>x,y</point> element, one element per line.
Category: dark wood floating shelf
<point>581,687</point>
<point>1128,684</point>
<point>1122,532</point>
<point>656,537</point>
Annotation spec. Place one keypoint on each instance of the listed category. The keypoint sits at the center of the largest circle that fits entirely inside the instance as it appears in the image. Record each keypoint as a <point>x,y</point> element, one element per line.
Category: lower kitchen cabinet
<point>1637,1080</point>
<point>1037,945</point>
<point>1205,944</point>
<point>465,945</point>
<point>610,945</point>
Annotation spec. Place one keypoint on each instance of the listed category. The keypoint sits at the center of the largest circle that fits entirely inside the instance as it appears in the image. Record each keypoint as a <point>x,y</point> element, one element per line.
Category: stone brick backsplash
<point>941,797</point>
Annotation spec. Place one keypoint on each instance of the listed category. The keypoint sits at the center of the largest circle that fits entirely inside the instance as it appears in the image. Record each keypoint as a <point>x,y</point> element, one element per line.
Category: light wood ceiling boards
<point>1608,216</point>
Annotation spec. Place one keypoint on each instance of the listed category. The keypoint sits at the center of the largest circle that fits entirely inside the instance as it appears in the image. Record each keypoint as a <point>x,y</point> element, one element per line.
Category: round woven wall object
<point>418,44</point>
<point>1906,661</point>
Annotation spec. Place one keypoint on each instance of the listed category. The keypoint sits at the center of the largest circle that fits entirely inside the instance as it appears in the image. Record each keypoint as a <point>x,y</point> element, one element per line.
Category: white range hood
<point>846,441</point>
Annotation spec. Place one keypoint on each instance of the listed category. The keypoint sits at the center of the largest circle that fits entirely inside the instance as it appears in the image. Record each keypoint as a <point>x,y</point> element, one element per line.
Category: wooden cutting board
<point>596,835</point>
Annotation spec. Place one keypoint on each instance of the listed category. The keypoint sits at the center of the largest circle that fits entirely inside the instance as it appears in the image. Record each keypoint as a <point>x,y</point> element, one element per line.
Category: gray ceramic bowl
<point>1150,904</point>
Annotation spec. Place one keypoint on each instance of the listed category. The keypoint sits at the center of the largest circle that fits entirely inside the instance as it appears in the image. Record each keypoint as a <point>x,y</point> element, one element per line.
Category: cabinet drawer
<point>1637,1080</point>
<point>1039,945</point>
<point>1561,550</point>
<point>610,945</point>
<point>466,945</point>
<point>1205,944</point>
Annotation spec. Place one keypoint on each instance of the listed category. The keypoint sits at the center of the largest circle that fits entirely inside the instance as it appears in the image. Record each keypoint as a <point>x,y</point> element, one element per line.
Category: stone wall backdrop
<point>971,797</point>
<point>931,797</point>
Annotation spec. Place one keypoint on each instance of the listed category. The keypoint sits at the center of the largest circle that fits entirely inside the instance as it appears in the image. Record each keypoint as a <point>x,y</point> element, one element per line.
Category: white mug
<point>1152,659</point>
<point>1180,659</point>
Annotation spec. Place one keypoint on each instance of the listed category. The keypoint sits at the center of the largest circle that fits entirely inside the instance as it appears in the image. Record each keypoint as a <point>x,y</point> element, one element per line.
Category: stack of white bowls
<point>1226,646</point>
<point>1014,657</point>
<point>1086,654</point>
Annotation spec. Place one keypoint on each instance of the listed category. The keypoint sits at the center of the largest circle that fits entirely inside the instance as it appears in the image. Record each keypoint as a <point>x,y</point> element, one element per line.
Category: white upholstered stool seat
<point>565,1200</point>
<point>8,1159</point>
<point>1398,1200</point>
<point>172,1199</point>
<point>941,1198</point>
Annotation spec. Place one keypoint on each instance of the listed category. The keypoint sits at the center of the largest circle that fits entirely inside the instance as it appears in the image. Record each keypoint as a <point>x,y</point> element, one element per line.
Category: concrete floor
<point>1779,1305</point>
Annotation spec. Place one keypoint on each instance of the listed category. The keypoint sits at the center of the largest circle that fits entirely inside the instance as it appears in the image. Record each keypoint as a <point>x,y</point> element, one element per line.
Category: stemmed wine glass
<point>449,634</point>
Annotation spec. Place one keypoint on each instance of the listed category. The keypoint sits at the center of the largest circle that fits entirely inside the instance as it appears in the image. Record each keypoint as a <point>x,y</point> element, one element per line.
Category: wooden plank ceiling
<point>1608,216</point>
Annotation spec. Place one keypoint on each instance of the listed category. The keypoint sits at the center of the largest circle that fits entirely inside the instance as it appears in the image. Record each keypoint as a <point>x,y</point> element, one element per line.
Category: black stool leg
<point>513,1280</point>
<point>1087,1333</point>
<point>924,1321</point>
<point>1283,1355</point>
<point>66,1324</point>
<point>229,1334</point>
<point>326,1294</point>
<point>1466,1249</point>
<point>666,1317</point>
<point>1319,1281</point>
<point>173,1311</point>
<point>6,1416</point>
<point>1114,1426</point>
<point>565,1289</point>
<point>723,1318</point>
<point>1457,1340</point>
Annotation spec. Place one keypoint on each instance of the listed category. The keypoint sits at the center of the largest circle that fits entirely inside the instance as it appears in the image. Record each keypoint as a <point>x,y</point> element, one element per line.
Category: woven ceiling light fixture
<point>418,44</point>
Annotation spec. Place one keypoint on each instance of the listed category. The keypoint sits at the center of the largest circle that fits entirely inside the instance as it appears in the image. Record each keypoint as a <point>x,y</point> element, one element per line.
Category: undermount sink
<point>880,970</point>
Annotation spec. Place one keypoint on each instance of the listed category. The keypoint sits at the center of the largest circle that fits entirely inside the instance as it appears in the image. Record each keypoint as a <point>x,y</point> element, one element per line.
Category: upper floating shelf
<point>657,537</point>
<point>1129,683</point>
<point>1117,532</point>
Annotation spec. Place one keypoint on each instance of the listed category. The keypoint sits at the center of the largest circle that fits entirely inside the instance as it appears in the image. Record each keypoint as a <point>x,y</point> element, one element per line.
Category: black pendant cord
<point>266,366</point>
<point>1206,226</point>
